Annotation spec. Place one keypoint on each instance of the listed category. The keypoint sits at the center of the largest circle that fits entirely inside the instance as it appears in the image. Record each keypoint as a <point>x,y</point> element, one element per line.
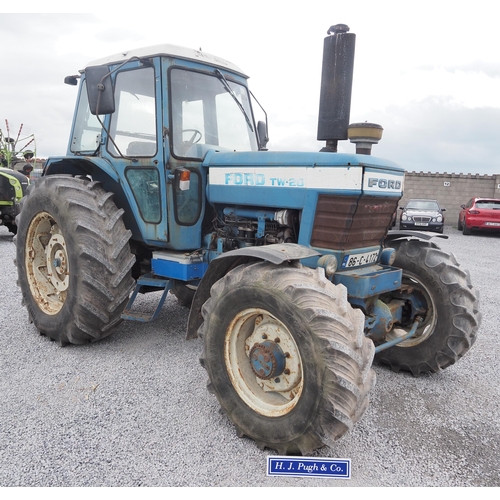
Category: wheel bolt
<point>277,340</point>
<point>277,380</point>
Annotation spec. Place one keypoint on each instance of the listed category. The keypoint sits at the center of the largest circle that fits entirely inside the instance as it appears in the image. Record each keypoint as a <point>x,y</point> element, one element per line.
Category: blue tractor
<point>294,282</point>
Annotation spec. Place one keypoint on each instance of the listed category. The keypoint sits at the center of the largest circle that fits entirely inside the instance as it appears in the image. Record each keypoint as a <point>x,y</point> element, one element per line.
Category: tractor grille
<point>345,222</point>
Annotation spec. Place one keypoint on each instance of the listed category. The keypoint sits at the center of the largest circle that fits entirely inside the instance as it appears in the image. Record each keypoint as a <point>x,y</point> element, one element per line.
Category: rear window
<point>494,204</point>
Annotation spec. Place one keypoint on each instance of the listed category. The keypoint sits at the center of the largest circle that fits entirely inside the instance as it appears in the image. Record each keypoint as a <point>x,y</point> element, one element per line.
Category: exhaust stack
<point>336,86</point>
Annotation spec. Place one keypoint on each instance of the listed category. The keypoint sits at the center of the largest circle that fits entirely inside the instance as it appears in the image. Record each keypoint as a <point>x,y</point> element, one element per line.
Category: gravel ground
<point>133,409</point>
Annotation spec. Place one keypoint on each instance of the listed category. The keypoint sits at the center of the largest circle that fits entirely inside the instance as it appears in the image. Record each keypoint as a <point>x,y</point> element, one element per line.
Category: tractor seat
<point>140,148</point>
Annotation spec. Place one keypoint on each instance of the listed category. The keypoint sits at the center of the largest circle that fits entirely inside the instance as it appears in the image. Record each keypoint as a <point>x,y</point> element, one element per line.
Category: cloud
<point>437,134</point>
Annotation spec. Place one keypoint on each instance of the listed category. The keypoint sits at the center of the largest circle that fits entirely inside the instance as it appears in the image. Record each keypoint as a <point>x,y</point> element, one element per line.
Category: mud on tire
<point>450,327</point>
<point>73,259</point>
<point>327,356</point>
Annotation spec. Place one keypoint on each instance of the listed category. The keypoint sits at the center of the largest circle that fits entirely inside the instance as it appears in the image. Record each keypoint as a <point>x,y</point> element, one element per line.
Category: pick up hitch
<point>393,342</point>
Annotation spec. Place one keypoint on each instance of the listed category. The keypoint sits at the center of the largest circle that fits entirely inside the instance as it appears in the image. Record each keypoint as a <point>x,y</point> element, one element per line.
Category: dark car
<point>422,215</point>
<point>479,214</point>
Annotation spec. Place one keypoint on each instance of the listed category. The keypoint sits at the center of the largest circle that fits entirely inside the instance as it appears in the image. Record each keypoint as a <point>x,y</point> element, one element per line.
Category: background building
<point>450,190</point>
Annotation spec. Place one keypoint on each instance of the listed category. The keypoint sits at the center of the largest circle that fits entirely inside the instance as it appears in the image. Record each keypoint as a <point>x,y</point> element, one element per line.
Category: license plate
<point>492,223</point>
<point>421,223</point>
<point>359,259</point>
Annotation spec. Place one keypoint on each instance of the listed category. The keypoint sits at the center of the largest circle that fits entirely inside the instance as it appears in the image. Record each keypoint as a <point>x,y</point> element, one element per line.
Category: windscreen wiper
<point>226,85</point>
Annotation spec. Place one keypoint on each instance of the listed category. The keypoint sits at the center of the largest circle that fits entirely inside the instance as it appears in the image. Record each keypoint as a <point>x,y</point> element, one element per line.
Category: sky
<point>428,72</point>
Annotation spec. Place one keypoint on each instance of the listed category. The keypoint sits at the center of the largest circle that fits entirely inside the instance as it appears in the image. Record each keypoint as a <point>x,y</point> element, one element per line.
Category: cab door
<point>135,146</point>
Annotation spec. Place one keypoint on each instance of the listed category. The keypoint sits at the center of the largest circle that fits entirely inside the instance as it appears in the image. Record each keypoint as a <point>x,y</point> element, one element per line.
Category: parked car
<point>422,215</point>
<point>479,214</point>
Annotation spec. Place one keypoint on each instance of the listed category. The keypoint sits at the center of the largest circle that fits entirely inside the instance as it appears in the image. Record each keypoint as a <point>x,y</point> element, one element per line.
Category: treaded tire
<point>73,259</point>
<point>328,342</point>
<point>454,319</point>
<point>184,293</point>
<point>459,225</point>
<point>466,230</point>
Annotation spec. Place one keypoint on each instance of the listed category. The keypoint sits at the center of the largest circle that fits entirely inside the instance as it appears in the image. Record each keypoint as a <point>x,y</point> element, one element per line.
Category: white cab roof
<point>172,51</point>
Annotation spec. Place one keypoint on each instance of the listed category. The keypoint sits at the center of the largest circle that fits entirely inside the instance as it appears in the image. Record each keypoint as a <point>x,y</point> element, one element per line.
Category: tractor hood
<point>286,179</point>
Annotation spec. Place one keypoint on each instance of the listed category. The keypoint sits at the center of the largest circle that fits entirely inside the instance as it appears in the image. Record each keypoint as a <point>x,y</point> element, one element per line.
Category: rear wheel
<point>466,230</point>
<point>286,356</point>
<point>435,287</point>
<point>73,259</point>
<point>459,225</point>
<point>183,292</point>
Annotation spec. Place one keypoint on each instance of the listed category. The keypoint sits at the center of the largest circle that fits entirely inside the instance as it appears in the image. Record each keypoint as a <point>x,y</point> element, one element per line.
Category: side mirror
<point>262,135</point>
<point>443,210</point>
<point>401,208</point>
<point>71,80</point>
<point>462,206</point>
<point>100,90</point>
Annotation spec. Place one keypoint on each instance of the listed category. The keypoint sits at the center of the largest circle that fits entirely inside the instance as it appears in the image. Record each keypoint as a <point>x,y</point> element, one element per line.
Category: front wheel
<point>435,287</point>
<point>73,259</point>
<point>286,356</point>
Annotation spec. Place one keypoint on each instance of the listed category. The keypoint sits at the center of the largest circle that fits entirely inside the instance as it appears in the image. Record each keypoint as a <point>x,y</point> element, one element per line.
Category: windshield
<point>205,116</point>
<point>422,205</point>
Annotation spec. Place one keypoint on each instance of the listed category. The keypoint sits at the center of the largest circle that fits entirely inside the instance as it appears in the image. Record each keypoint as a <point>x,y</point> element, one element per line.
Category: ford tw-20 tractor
<point>294,282</point>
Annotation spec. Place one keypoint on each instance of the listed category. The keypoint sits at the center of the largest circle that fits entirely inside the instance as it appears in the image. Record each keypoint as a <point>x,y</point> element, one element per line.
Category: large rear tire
<point>183,292</point>
<point>73,259</point>
<point>433,280</point>
<point>286,356</point>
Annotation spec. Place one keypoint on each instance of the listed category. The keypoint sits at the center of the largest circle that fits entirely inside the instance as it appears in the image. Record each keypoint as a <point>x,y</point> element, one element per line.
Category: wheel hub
<point>267,360</point>
<point>263,362</point>
<point>46,263</point>
<point>57,262</point>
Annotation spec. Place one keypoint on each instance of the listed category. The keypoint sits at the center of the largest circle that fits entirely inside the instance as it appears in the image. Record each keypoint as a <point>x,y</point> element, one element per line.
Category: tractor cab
<point>145,120</point>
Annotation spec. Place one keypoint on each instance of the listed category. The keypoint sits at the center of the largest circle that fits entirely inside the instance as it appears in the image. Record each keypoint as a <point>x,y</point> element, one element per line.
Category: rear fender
<point>412,235</point>
<point>276,254</point>
<point>97,169</point>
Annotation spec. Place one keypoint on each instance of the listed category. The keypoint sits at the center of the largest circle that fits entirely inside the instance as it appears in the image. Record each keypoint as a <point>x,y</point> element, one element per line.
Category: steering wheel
<point>186,145</point>
<point>195,138</point>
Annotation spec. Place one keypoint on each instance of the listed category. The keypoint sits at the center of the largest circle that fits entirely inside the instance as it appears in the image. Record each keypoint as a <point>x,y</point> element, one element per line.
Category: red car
<point>480,214</point>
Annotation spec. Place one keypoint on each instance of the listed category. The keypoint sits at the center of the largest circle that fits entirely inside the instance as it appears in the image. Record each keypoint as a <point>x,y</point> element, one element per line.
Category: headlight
<point>403,217</point>
<point>388,256</point>
<point>329,263</point>
<point>439,218</point>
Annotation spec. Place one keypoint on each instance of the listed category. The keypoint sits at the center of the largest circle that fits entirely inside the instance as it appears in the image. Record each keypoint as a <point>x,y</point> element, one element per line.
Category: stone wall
<point>450,190</point>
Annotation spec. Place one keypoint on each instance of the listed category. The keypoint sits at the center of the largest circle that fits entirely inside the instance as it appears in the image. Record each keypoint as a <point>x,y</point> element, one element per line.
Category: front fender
<point>276,254</point>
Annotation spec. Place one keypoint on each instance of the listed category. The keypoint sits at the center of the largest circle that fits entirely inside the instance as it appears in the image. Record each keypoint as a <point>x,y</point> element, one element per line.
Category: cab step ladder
<point>147,280</point>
